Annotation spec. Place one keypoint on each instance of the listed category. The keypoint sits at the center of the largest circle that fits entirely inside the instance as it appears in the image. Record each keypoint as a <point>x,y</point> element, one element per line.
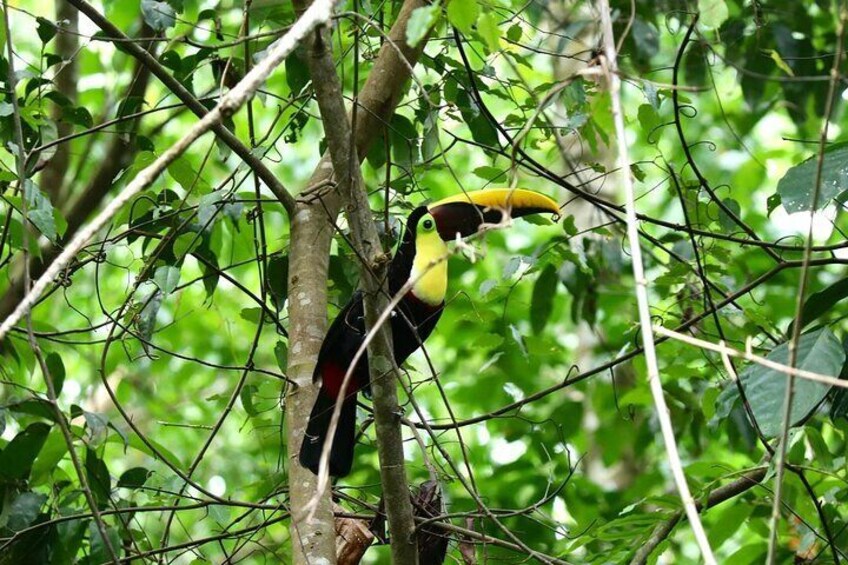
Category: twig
<point>318,13</point>
<point>641,285</point>
<point>802,288</point>
<point>748,355</point>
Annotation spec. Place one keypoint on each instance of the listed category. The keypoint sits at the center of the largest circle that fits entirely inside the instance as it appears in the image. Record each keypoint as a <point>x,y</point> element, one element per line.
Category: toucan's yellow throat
<point>429,274</point>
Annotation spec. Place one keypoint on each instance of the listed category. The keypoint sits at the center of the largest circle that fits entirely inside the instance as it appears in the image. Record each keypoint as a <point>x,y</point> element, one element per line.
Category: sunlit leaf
<point>797,187</point>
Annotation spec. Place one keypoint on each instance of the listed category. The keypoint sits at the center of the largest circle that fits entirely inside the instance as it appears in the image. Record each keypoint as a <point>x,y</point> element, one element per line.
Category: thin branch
<point>641,286</point>
<point>802,288</point>
<point>748,355</point>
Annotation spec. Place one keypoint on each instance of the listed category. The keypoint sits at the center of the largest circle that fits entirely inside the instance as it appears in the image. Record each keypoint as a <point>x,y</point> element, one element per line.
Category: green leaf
<point>246,396</point>
<point>514,33</point>
<point>724,219</point>
<point>183,172</point>
<point>99,550</point>
<point>98,478</point>
<point>297,72</point>
<point>772,202</point>
<point>796,186</point>
<point>487,27</point>
<point>96,428</point>
<point>70,536</point>
<point>822,302</point>
<point>277,279</point>
<point>404,140</point>
<point>252,315</point>
<point>713,13</point>
<point>158,15</point>
<point>420,22</point>
<point>77,115</point>
<point>17,457</point>
<point>489,173</point>
<point>208,208</point>
<point>186,243</point>
<point>281,354</point>
<point>569,227</point>
<point>730,519</point>
<point>781,64</point>
<point>167,277</point>
<point>649,119</point>
<point>24,510</point>
<point>46,30</point>
<point>146,321</point>
<point>819,352</point>
<point>430,143</point>
<point>134,478</point>
<point>519,339</point>
<point>34,407</point>
<point>542,302</point>
<point>482,130</point>
<point>47,462</point>
<point>56,368</point>
<point>462,14</point>
<point>220,513</point>
<point>40,211</point>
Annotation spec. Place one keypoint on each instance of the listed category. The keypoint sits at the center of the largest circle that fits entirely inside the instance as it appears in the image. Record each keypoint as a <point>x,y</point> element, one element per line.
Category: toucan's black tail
<point>341,454</point>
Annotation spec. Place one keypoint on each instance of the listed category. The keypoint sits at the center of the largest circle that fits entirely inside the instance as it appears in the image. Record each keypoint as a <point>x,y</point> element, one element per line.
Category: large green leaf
<point>40,211</point>
<point>796,186</point>
<point>24,510</point>
<point>17,457</point>
<point>819,352</point>
<point>543,298</point>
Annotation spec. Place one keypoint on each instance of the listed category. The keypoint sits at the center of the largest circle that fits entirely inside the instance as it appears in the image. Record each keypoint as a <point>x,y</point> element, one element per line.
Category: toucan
<point>421,257</point>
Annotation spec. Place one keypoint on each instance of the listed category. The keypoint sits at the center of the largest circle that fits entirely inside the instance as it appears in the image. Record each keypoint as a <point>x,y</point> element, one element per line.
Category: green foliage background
<point>178,310</point>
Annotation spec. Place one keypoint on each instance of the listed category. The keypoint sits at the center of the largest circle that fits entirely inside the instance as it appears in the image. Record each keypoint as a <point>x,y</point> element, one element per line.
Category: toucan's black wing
<point>345,336</point>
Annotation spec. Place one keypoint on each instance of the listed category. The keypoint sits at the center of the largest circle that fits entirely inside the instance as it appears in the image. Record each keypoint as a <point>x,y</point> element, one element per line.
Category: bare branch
<point>748,355</point>
<point>641,284</point>
<point>802,289</point>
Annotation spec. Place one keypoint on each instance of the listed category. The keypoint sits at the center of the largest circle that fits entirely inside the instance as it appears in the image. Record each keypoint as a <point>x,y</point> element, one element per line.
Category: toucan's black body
<point>413,320</point>
<point>410,327</point>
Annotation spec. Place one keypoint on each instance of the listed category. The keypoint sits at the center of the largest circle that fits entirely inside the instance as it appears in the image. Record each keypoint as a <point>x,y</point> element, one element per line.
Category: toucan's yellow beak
<point>464,213</point>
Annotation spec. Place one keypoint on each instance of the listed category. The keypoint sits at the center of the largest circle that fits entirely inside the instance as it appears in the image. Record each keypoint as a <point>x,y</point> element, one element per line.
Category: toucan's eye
<point>428,225</point>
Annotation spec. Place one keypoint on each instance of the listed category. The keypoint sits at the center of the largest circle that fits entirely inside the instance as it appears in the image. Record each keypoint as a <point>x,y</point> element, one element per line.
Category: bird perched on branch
<point>419,267</point>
